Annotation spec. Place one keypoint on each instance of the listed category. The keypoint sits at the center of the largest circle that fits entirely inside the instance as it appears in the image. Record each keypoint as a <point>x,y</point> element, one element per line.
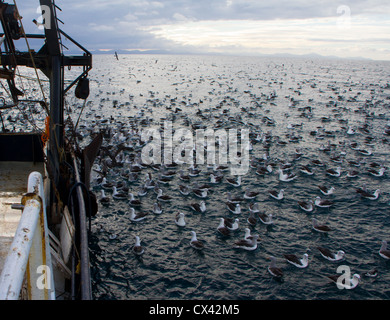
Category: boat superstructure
<point>45,199</point>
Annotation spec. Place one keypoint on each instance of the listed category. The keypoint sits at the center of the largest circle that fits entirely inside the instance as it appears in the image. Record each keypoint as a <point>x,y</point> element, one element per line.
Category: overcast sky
<point>346,28</point>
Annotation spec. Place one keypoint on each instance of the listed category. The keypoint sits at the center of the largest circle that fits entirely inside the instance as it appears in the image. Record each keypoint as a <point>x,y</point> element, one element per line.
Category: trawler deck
<point>13,184</point>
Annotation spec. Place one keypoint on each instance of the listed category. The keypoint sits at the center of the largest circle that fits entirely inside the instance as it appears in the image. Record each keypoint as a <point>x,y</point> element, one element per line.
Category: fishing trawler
<point>45,199</point>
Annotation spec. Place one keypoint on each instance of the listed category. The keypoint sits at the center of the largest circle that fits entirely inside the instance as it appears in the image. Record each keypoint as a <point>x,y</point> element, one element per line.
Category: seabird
<point>234,207</point>
<point>104,199</point>
<point>234,182</point>
<point>334,172</point>
<point>184,190</point>
<point>383,251</point>
<point>320,227</point>
<point>306,170</point>
<point>286,177</point>
<point>137,248</point>
<point>133,201</point>
<point>250,194</point>
<point>298,262</point>
<point>306,205</point>
<point>157,209</point>
<point>215,179</point>
<point>278,195</point>
<point>373,273</point>
<point>265,218</point>
<point>137,216</point>
<point>326,190</point>
<point>195,243</point>
<point>367,195</point>
<point>179,219</point>
<point>347,283</point>
<point>231,224</point>
<point>274,270</point>
<point>377,173</point>
<point>322,203</point>
<point>198,207</point>
<point>222,229</point>
<point>254,207</point>
<point>249,243</point>
<point>328,255</point>
<point>162,197</point>
<point>106,185</point>
<point>252,219</point>
<point>118,195</point>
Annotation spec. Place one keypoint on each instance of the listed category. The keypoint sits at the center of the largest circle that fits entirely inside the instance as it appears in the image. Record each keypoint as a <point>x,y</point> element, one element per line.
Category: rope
<point>32,58</point>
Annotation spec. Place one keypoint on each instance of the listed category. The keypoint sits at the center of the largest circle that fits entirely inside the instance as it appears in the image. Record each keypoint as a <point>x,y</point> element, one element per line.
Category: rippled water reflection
<point>235,92</point>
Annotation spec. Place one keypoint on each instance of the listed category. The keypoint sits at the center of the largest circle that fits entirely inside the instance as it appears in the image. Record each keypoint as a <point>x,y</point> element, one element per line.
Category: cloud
<point>230,25</point>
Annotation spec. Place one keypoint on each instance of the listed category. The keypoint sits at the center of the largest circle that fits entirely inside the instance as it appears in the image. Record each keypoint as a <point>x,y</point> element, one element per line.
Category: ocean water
<point>138,92</point>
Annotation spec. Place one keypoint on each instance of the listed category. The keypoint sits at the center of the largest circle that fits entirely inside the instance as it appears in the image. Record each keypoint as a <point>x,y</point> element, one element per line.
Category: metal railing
<point>29,255</point>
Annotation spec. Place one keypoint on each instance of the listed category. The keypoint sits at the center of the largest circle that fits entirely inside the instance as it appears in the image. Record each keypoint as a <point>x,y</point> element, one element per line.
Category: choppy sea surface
<point>329,110</point>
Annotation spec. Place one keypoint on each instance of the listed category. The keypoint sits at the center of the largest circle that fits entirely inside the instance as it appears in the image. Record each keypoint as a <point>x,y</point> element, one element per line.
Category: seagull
<point>347,284</point>
<point>195,243</point>
<point>248,244</point>
<point>328,255</point>
<point>377,173</point>
<point>133,201</point>
<point>326,190</point>
<point>334,172</point>
<point>265,218</point>
<point>184,190</point>
<point>104,199</point>
<point>254,207</point>
<point>322,203</point>
<point>137,248</point>
<point>320,227</point>
<point>276,195</point>
<point>162,197</point>
<point>306,205</point>
<point>250,194</point>
<point>231,224</point>
<point>198,207</point>
<point>367,195</point>
<point>274,270</point>
<point>157,209</point>
<point>298,262</point>
<point>234,182</point>
<point>383,251</point>
<point>179,219</point>
<point>118,195</point>
<point>234,207</point>
<point>137,216</point>
<point>222,229</point>
<point>286,177</point>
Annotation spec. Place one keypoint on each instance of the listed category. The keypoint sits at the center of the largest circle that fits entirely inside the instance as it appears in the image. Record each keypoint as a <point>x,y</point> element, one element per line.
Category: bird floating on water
<point>274,270</point>
<point>137,248</point>
<point>320,227</point>
<point>180,220</point>
<point>331,256</point>
<point>345,283</point>
<point>306,205</point>
<point>195,243</point>
<point>265,218</point>
<point>222,229</point>
<point>231,224</point>
<point>137,216</point>
<point>296,261</point>
<point>367,195</point>
<point>248,244</point>
<point>383,251</point>
<point>323,203</point>
<point>278,195</point>
<point>326,190</point>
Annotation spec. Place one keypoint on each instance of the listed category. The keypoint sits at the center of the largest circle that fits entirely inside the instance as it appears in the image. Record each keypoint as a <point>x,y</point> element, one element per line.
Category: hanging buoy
<point>82,89</point>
